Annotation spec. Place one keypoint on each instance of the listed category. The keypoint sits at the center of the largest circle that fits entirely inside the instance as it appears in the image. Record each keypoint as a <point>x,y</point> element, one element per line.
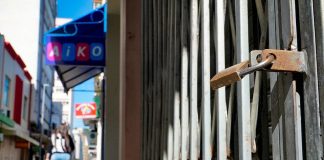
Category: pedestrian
<point>61,145</point>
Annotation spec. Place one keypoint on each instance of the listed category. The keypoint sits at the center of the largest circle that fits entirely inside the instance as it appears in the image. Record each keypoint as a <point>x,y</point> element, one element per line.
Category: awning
<point>7,121</point>
<point>45,138</point>
<point>27,138</point>
<point>19,132</point>
<point>77,49</point>
<point>71,76</point>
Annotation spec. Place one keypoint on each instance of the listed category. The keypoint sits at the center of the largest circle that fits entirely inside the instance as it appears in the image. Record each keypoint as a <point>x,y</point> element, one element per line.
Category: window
<point>25,109</point>
<point>6,91</point>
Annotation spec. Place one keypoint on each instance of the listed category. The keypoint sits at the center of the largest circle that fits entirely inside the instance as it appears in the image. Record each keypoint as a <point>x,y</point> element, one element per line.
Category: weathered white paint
<point>11,69</point>
<point>221,95</point>
<point>243,87</point>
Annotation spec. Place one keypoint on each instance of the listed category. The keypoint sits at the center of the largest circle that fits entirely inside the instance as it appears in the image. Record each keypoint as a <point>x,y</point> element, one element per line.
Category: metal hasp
<point>267,60</point>
<point>285,61</point>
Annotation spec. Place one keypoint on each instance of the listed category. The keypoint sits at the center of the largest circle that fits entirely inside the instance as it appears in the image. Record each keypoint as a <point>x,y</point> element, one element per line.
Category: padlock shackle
<point>270,58</point>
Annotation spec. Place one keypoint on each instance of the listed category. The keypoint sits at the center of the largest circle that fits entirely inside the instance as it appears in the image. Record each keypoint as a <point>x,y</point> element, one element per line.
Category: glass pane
<point>6,91</point>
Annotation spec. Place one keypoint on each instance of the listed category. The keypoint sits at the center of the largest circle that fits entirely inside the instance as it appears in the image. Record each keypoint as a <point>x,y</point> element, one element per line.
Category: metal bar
<point>159,84</point>
<point>257,82</point>
<point>319,29</point>
<point>232,24</point>
<point>144,81</point>
<point>206,117</point>
<point>291,139</point>
<point>314,146</point>
<point>150,80</point>
<point>264,115</point>
<point>232,89</point>
<point>170,80</point>
<point>213,118</point>
<point>154,83</point>
<point>176,137</point>
<point>176,85</point>
<point>194,35</point>
<point>162,89</point>
<point>213,65</point>
<point>164,83</point>
<point>243,87</point>
<point>184,81</point>
<point>220,93</point>
<point>273,103</point>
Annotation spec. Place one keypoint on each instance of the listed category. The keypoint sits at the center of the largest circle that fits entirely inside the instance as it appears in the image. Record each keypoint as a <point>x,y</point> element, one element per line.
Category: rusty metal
<point>270,60</point>
<point>264,63</point>
<point>228,76</point>
<point>286,61</point>
<point>238,71</point>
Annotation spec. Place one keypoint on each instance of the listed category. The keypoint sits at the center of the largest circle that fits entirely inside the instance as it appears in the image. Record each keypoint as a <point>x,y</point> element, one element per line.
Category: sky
<point>75,9</point>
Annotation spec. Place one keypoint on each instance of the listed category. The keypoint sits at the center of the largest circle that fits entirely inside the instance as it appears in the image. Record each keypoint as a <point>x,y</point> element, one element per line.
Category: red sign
<point>22,144</point>
<point>86,110</point>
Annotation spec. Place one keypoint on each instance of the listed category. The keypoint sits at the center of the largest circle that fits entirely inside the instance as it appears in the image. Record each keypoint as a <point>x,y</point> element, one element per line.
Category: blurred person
<point>62,144</point>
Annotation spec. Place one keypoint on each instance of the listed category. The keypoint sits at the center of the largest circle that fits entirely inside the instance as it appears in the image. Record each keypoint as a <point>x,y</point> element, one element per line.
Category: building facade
<point>64,99</point>
<point>57,114</point>
<point>37,18</point>
<point>16,101</point>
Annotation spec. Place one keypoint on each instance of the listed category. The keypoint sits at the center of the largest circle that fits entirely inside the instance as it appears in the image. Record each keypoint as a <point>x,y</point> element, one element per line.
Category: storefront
<point>17,141</point>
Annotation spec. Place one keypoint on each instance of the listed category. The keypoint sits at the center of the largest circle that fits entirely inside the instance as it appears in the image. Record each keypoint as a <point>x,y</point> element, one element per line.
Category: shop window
<point>6,92</point>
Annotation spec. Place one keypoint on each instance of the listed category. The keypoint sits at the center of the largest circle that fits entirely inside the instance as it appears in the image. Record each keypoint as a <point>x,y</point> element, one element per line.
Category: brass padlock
<point>237,72</point>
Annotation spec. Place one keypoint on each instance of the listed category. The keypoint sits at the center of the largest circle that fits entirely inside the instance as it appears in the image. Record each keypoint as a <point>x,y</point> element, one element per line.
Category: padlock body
<point>228,76</point>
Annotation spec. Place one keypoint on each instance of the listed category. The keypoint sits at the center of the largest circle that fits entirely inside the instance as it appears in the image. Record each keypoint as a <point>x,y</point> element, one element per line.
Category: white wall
<point>11,69</point>
<point>1,60</point>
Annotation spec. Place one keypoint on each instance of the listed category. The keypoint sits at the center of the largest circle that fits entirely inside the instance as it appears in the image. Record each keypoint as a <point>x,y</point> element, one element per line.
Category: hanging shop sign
<point>74,53</point>
<point>80,42</point>
<point>86,110</point>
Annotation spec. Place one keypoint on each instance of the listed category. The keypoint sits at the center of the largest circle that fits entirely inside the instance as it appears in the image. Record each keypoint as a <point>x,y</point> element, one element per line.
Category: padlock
<point>237,72</point>
<point>268,60</point>
<point>228,76</point>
